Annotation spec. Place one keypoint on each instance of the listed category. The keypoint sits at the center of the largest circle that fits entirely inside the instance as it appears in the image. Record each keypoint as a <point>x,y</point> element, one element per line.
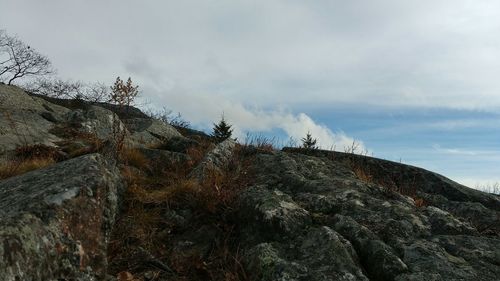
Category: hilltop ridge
<point>174,204</point>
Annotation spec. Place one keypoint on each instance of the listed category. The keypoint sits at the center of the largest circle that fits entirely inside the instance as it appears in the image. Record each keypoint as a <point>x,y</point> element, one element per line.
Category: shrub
<point>169,117</point>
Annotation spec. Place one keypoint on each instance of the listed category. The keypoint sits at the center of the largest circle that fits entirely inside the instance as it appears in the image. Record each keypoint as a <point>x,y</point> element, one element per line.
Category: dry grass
<point>406,187</point>
<point>261,142</point>
<point>28,158</point>
<point>37,151</point>
<point>72,131</point>
<point>197,153</point>
<point>72,135</point>
<point>210,202</point>
<point>18,167</point>
<point>133,157</point>
<point>363,174</point>
<point>419,202</point>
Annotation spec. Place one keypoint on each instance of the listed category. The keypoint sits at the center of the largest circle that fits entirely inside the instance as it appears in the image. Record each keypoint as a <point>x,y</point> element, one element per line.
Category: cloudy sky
<point>416,81</point>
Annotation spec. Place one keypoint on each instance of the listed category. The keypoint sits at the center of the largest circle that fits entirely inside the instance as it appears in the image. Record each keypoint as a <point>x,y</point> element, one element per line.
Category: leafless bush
<point>352,148</point>
<point>67,89</point>
<point>261,142</point>
<point>168,116</point>
<point>292,142</point>
<point>493,188</point>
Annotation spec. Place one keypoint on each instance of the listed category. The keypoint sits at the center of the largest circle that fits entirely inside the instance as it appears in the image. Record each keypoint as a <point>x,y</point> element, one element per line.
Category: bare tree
<point>96,92</point>
<point>123,94</point>
<point>18,60</point>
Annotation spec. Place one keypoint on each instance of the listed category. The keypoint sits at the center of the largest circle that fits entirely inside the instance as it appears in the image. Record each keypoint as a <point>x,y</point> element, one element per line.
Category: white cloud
<point>454,151</point>
<point>205,110</point>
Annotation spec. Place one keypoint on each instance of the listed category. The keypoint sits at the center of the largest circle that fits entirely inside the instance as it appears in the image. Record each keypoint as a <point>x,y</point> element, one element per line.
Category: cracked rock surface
<point>56,221</point>
<point>309,217</point>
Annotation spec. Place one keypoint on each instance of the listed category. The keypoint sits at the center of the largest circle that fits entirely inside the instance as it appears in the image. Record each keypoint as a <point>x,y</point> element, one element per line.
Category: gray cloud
<point>274,54</point>
<point>423,52</point>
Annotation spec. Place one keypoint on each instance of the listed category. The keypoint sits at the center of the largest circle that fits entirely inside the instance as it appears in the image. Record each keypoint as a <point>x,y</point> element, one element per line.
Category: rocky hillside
<point>95,192</point>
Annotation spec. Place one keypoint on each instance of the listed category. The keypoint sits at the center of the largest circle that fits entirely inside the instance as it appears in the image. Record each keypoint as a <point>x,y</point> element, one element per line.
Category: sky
<point>410,81</point>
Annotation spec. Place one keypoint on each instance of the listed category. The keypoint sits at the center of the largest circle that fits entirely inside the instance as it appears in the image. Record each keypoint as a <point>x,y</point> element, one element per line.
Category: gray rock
<point>215,160</point>
<point>443,222</point>
<point>57,221</point>
<point>427,259</point>
<point>147,131</point>
<point>96,120</point>
<point>273,214</point>
<point>26,120</point>
<point>178,144</point>
<point>163,157</point>
<point>379,259</point>
<point>329,254</point>
<point>264,263</point>
<point>376,233</point>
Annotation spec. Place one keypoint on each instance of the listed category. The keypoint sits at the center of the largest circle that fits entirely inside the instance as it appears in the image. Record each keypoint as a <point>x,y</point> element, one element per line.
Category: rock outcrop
<point>26,120</point>
<point>30,119</point>
<point>55,222</point>
<point>312,218</point>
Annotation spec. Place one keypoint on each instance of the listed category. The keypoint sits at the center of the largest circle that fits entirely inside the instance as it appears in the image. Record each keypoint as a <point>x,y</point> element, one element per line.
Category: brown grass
<point>406,187</point>
<point>363,174</point>
<point>197,153</point>
<point>71,131</point>
<point>419,202</point>
<point>18,167</point>
<point>210,201</point>
<point>72,134</point>
<point>28,158</point>
<point>37,151</point>
<point>133,157</point>
<point>261,142</point>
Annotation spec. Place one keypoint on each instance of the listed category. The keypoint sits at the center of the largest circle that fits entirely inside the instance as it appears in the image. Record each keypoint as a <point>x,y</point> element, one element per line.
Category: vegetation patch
<point>185,226</point>
<point>16,167</point>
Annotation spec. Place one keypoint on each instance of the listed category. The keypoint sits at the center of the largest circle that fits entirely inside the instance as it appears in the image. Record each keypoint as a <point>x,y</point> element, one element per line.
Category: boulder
<point>379,259</point>
<point>179,144</point>
<point>26,120</point>
<point>330,255</point>
<point>147,131</point>
<point>271,214</point>
<point>56,222</point>
<point>215,160</point>
<point>96,120</point>
<point>265,262</point>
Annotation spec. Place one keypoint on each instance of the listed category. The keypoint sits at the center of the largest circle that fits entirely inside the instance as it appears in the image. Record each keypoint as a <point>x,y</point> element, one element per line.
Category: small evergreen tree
<point>308,142</point>
<point>222,130</point>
